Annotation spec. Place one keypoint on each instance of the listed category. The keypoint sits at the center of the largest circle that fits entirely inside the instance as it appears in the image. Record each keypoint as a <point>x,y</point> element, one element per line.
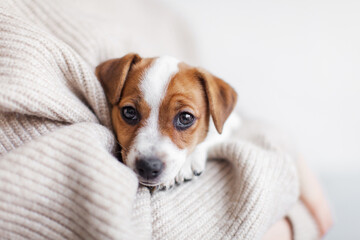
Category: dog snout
<point>149,168</point>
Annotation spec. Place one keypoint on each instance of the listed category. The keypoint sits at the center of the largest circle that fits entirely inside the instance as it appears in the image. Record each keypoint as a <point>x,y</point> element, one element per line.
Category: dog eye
<point>183,121</point>
<point>130,115</point>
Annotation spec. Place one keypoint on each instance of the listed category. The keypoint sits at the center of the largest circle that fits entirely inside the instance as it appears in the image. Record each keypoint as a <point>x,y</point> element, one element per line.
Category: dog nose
<point>149,168</point>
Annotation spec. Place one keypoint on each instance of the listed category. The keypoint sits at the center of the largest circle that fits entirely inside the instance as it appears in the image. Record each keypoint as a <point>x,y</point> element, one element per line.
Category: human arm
<point>313,208</point>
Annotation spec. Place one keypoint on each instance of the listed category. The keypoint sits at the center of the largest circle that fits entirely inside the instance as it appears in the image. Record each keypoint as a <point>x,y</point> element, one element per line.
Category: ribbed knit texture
<point>58,176</point>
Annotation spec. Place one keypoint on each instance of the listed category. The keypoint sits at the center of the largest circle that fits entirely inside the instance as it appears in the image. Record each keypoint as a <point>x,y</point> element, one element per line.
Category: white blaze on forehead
<point>156,80</point>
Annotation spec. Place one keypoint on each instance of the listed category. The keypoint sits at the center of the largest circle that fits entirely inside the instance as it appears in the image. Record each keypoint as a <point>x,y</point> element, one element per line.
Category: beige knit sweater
<point>58,176</point>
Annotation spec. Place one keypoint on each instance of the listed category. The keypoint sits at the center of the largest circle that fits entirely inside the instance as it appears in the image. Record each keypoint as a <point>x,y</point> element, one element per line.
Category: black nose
<point>149,168</point>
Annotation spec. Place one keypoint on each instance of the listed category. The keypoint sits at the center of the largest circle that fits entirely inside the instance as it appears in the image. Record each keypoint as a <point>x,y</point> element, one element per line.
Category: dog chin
<point>149,184</point>
<point>157,182</point>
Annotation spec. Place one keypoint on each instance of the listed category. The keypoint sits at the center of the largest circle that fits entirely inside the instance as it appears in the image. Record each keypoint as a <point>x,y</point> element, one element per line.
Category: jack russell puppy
<point>166,114</point>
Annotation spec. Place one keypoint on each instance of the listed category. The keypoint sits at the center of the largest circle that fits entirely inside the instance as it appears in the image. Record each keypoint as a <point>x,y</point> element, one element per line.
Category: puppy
<point>166,114</point>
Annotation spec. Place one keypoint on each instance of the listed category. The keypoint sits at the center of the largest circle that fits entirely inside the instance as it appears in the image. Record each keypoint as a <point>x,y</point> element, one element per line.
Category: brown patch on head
<point>185,93</point>
<point>131,96</point>
<point>113,73</point>
<point>200,93</point>
<point>121,79</point>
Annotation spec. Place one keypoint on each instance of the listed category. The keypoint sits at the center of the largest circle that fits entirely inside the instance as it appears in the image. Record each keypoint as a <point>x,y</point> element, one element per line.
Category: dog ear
<point>220,95</point>
<point>113,73</point>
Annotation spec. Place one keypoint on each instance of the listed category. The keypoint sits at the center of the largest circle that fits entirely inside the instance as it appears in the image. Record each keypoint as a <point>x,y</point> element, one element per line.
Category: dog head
<point>161,110</point>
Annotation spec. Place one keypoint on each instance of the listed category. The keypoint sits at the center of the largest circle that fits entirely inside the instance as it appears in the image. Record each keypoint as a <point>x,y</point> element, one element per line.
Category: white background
<point>295,64</point>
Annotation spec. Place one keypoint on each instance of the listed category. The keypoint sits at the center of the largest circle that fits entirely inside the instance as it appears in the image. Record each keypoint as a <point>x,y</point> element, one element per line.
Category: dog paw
<point>185,173</point>
<point>198,161</point>
<point>167,185</point>
<point>198,166</point>
<point>194,166</point>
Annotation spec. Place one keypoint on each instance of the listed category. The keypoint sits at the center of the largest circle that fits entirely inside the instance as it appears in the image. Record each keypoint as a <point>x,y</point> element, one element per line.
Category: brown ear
<point>221,97</point>
<point>112,75</point>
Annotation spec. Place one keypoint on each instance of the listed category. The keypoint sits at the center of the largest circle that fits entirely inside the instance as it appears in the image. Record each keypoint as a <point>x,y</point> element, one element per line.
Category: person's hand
<point>313,197</point>
<point>311,194</point>
<point>281,230</point>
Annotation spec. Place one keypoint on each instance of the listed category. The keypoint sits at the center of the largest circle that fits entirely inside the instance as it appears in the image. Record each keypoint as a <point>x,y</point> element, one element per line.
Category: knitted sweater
<point>59,178</point>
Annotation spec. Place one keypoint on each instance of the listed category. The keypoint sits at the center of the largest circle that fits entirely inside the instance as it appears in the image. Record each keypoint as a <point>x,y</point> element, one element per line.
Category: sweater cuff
<point>303,224</point>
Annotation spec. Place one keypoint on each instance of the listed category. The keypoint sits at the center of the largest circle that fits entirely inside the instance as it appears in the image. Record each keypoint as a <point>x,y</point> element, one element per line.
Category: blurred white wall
<point>295,64</point>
